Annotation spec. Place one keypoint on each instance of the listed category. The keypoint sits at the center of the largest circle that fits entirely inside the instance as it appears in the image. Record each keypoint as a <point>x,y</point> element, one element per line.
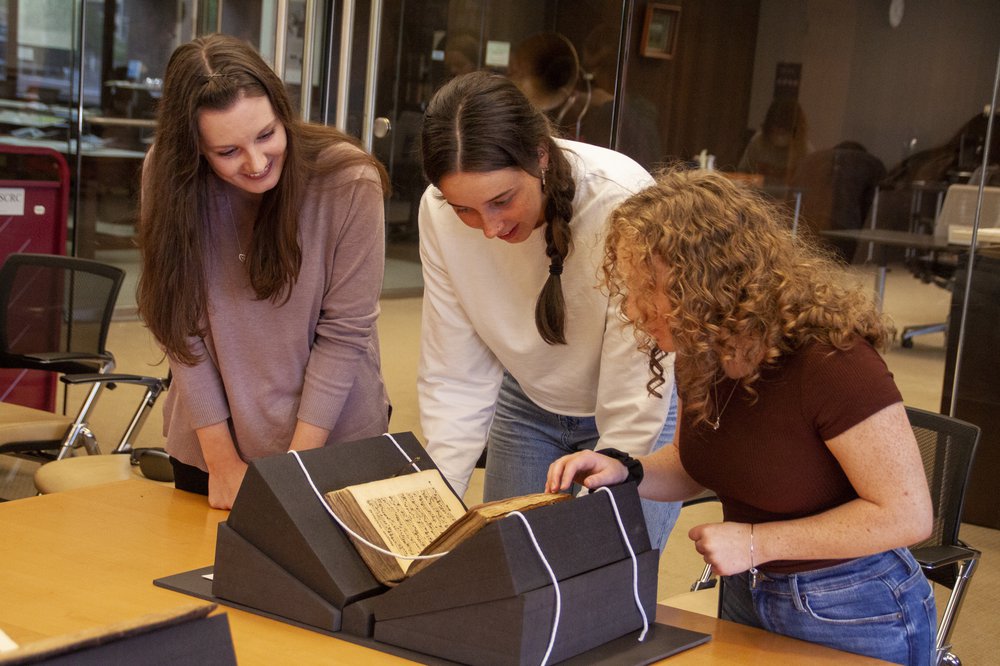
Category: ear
<point>543,158</point>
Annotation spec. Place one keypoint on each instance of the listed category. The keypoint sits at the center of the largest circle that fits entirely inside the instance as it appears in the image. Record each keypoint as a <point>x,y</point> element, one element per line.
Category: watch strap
<point>632,466</point>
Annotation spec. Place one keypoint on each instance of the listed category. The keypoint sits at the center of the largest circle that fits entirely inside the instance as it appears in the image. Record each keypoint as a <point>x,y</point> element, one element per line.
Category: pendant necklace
<point>232,221</point>
<point>715,389</point>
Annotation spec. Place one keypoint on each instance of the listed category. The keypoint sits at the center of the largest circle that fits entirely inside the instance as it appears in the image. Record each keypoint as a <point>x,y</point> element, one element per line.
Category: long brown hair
<point>481,122</point>
<point>214,72</point>
<point>734,274</point>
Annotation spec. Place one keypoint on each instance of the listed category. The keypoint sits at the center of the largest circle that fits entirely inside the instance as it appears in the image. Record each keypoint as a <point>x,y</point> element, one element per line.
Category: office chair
<point>934,267</point>
<point>947,446</point>
<point>55,313</point>
<point>838,188</point>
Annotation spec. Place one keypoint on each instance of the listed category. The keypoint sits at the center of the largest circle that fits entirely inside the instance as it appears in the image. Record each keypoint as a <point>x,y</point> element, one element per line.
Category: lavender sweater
<point>314,357</point>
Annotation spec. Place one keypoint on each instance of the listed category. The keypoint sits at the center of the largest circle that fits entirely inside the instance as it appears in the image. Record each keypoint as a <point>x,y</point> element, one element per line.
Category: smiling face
<point>507,203</point>
<point>245,144</point>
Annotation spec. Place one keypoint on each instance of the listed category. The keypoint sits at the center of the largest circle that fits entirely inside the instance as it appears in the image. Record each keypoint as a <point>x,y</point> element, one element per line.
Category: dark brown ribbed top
<point>768,460</point>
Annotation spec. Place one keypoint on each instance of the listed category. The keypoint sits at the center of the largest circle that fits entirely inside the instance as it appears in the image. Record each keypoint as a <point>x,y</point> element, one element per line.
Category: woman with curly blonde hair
<point>788,414</point>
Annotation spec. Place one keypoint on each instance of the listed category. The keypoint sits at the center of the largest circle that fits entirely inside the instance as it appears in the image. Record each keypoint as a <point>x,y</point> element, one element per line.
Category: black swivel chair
<point>838,187</point>
<point>55,313</point>
<point>934,267</point>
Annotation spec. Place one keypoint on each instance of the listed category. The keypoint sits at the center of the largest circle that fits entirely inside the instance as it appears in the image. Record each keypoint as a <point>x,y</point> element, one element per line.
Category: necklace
<point>718,417</point>
<point>236,232</point>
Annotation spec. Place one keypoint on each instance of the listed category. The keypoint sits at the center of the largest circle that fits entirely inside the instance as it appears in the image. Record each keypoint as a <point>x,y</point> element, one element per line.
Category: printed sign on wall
<point>11,201</point>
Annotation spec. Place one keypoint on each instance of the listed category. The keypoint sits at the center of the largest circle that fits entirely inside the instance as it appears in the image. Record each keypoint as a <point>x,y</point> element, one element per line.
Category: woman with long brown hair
<point>263,251</point>
<point>782,141</point>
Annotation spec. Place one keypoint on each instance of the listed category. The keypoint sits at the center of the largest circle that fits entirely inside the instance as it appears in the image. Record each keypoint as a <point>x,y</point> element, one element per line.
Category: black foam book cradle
<point>490,600</point>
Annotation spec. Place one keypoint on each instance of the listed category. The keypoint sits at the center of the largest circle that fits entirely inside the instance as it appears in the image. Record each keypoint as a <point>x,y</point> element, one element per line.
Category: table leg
<point>880,273</point>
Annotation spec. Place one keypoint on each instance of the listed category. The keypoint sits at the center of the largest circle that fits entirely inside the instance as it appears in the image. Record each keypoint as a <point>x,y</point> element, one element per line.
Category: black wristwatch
<point>633,466</point>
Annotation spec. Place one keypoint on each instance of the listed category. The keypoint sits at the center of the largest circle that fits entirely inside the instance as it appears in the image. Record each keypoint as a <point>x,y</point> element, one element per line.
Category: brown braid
<point>550,309</point>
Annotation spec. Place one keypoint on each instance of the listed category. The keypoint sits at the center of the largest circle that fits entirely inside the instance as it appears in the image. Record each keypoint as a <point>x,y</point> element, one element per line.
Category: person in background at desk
<point>775,150</point>
<point>263,251</point>
<point>788,414</point>
<point>520,351</point>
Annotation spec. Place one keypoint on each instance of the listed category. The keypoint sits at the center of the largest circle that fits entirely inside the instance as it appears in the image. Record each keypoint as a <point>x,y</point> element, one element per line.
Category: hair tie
<point>555,268</point>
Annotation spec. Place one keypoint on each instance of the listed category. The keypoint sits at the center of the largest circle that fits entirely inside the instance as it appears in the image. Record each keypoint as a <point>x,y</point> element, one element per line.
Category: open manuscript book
<point>416,514</point>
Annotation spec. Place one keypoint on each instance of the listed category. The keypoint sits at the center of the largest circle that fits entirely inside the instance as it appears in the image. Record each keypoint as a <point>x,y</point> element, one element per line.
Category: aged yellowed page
<point>408,511</point>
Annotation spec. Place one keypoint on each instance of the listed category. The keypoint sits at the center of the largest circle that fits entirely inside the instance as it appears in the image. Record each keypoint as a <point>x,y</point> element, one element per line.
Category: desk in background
<point>86,558</point>
<point>879,239</point>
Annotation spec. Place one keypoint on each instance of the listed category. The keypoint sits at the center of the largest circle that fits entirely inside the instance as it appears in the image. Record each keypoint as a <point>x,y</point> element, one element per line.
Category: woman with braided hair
<point>521,351</point>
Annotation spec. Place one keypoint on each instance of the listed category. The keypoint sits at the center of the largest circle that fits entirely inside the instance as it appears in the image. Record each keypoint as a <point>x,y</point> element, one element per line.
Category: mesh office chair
<point>55,313</point>
<point>947,447</point>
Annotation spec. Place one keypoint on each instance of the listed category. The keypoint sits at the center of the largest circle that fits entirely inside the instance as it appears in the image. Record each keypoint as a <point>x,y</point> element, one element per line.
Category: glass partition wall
<point>548,47</point>
<point>857,116</point>
<point>82,77</point>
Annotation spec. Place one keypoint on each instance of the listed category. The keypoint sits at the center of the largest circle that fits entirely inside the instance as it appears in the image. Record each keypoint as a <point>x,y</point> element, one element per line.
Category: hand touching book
<point>416,514</point>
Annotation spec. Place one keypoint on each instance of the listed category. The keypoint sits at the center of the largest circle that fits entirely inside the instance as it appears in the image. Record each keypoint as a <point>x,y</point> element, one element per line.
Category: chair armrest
<point>69,357</point>
<point>148,382</point>
<point>70,363</point>
<point>934,557</point>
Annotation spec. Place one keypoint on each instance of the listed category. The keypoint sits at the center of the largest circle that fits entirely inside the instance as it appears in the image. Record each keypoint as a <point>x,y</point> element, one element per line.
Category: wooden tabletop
<point>85,558</point>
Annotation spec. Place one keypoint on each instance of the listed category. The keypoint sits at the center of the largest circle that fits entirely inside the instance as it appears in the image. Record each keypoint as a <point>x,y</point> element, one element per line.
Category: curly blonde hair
<point>740,285</point>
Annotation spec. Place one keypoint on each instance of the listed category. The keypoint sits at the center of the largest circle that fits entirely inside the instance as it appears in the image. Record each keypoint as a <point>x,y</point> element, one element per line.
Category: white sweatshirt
<point>478,319</point>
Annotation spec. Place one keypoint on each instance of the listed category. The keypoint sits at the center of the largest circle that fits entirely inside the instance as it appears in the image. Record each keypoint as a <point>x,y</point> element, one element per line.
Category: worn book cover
<point>416,514</point>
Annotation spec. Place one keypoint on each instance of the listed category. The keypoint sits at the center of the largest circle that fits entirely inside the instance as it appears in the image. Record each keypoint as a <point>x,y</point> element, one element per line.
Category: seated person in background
<point>776,149</point>
<point>788,414</point>
<point>838,187</point>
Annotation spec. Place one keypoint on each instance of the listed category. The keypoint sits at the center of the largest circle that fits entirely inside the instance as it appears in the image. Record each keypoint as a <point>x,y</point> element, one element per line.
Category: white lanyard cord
<point>413,463</point>
<point>635,563</point>
<point>555,585</point>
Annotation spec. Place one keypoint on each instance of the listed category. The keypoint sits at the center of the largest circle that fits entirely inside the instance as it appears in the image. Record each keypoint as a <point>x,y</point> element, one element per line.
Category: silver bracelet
<point>754,574</point>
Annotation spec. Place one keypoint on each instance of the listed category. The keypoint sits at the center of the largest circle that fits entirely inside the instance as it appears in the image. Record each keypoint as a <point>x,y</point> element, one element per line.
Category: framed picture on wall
<point>659,31</point>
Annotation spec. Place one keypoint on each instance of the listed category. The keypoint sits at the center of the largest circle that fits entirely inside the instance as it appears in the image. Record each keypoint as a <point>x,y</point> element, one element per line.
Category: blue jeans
<point>881,606</point>
<point>525,439</point>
